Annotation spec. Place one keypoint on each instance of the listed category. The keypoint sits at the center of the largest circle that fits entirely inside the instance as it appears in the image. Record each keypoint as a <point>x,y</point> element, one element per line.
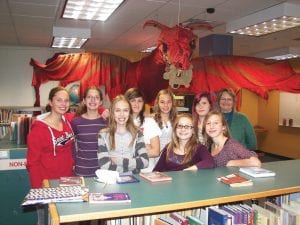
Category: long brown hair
<point>52,93</point>
<point>82,107</point>
<point>112,125</point>
<point>132,93</point>
<point>197,99</point>
<point>190,145</point>
<point>226,132</point>
<point>157,111</point>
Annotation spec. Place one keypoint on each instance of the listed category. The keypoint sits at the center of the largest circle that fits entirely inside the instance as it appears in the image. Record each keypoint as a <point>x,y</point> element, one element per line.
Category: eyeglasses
<point>186,127</point>
<point>226,99</point>
<point>92,97</point>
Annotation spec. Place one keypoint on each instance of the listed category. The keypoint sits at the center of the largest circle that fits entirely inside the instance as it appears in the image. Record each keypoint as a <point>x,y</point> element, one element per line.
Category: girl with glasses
<point>86,126</point>
<point>184,152</point>
<point>239,125</point>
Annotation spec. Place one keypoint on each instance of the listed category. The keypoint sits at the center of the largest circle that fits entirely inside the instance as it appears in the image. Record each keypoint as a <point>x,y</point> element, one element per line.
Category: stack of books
<point>55,194</point>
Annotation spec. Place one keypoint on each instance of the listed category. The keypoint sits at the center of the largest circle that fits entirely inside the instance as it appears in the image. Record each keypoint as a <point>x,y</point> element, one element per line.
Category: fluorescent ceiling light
<point>65,37</point>
<point>90,9</point>
<point>65,42</point>
<point>282,57</point>
<point>273,19</point>
<point>280,53</point>
<point>149,49</point>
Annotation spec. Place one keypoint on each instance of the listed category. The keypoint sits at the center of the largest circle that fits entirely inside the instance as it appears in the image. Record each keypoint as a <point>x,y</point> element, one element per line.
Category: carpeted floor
<point>267,157</point>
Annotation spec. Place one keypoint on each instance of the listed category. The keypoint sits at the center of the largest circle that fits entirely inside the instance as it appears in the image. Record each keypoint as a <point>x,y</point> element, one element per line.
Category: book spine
<point>180,219</point>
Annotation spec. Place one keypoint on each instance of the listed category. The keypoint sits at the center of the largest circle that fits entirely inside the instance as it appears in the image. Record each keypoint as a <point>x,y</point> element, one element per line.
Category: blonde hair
<point>112,124</point>
<point>190,145</point>
<point>228,91</point>
<point>157,111</point>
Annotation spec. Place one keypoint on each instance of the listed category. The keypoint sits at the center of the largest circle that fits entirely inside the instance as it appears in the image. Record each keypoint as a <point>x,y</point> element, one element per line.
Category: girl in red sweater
<point>50,141</point>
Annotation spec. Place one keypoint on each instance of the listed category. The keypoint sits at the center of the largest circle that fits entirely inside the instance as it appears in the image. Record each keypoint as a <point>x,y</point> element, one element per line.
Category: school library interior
<point>175,69</point>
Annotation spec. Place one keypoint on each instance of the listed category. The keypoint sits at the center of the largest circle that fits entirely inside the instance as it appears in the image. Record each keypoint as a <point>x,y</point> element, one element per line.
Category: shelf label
<point>4,154</point>
<point>12,164</point>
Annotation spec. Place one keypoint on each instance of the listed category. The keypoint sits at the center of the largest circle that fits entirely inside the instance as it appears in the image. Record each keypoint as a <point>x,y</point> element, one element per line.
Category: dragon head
<point>177,43</point>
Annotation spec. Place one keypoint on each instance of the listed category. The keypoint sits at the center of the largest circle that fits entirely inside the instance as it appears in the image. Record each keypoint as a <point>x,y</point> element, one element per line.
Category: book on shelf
<point>125,179</point>
<point>193,220</point>
<point>235,180</point>
<point>217,216</point>
<point>257,172</point>
<point>179,218</point>
<point>71,181</point>
<point>166,220</point>
<point>103,198</point>
<point>155,176</point>
<point>55,194</point>
<point>264,214</point>
<point>276,209</point>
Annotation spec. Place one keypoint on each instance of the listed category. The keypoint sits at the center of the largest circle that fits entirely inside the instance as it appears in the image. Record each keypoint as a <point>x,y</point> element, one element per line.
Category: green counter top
<point>188,189</point>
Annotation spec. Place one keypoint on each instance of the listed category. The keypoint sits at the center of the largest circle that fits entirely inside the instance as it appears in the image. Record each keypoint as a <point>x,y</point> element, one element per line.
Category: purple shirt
<point>86,144</point>
<point>232,150</point>
<point>201,158</point>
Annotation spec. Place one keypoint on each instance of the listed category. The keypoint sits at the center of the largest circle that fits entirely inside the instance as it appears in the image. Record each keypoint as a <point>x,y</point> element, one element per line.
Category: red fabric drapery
<point>209,74</point>
<point>90,68</point>
<point>257,75</point>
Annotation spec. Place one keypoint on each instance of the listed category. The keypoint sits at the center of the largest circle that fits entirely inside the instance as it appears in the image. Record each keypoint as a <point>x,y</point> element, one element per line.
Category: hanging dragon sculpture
<point>170,64</point>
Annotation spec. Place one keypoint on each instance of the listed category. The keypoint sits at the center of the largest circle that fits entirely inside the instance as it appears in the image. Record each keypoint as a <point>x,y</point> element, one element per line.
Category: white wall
<point>16,75</point>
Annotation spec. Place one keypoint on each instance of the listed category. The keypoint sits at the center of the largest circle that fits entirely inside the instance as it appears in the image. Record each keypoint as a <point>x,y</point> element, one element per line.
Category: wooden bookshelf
<point>188,190</point>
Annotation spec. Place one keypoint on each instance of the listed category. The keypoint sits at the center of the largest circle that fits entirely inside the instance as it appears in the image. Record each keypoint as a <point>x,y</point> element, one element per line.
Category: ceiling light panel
<point>90,9</point>
<point>65,42</point>
<point>273,19</point>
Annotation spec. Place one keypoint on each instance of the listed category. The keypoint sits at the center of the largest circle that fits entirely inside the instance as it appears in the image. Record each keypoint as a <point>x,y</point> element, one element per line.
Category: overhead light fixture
<point>90,9</point>
<point>283,57</point>
<point>149,49</point>
<point>277,18</point>
<point>280,53</point>
<point>62,42</point>
<point>65,37</point>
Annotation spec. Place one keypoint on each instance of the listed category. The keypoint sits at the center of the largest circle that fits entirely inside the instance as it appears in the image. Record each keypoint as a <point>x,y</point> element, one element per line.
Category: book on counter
<point>155,177</point>
<point>235,180</point>
<point>257,172</point>
<point>103,198</point>
<point>125,179</point>
<point>71,181</point>
<point>55,194</point>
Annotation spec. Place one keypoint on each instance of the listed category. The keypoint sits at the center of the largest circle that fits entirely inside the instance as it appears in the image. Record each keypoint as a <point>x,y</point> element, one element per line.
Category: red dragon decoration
<point>211,73</point>
<point>172,56</point>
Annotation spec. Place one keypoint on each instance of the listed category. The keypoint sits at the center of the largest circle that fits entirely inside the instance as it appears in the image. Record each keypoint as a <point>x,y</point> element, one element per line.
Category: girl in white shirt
<point>146,124</point>
<point>164,114</point>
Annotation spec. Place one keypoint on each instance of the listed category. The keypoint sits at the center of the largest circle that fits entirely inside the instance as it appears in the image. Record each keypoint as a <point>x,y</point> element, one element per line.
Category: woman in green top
<point>239,125</point>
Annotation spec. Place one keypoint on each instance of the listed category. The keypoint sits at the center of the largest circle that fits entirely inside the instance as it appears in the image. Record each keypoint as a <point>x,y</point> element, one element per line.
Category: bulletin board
<point>289,109</point>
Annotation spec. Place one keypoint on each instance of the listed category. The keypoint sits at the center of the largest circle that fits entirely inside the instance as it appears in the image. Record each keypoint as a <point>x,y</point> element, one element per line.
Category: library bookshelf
<point>187,190</point>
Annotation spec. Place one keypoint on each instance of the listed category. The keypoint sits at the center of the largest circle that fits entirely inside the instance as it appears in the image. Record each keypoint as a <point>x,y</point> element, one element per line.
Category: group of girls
<point>127,139</point>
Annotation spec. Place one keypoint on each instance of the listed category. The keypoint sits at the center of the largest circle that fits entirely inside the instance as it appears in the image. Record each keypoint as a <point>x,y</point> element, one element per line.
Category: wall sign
<point>12,164</point>
<point>289,109</point>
